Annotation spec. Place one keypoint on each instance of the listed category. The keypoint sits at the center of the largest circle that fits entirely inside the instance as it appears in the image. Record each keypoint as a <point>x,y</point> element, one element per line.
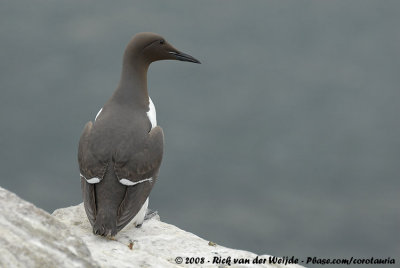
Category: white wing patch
<point>98,114</point>
<point>151,114</point>
<point>131,183</point>
<point>92,180</point>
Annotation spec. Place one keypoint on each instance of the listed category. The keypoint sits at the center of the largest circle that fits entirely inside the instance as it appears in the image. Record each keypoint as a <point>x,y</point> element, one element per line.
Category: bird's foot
<point>150,214</point>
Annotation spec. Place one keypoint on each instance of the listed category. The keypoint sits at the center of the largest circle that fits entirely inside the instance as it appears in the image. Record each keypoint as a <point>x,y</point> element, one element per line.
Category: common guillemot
<point>120,153</point>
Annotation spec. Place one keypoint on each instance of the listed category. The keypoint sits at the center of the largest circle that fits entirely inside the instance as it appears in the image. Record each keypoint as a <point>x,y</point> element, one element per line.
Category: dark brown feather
<point>89,200</point>
<point>89,165</point>
<point>136,165</point>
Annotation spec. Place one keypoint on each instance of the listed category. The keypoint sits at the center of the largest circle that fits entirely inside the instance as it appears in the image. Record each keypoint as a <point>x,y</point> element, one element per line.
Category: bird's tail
<point>109,195</point>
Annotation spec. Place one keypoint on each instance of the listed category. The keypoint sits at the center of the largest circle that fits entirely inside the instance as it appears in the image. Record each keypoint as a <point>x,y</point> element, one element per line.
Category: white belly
<point>139,218</point>
<point>151,114</point>
<point>97,115</point>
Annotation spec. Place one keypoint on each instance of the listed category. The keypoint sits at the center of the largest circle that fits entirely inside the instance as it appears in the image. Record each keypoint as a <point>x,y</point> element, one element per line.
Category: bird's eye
<point>162,42</point>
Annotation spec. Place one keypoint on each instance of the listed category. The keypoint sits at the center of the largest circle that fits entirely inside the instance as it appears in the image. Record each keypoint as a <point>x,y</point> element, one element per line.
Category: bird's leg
<point>150,214</point>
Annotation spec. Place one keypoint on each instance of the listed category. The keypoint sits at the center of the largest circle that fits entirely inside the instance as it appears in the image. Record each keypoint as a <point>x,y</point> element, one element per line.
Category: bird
<point>120,153</point>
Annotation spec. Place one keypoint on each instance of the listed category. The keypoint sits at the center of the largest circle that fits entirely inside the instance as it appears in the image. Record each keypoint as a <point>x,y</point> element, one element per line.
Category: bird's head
<point>152,47</point>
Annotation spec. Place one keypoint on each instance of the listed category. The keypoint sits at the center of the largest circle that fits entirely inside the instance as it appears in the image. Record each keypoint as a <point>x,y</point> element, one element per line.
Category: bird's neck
<point>132,88</point>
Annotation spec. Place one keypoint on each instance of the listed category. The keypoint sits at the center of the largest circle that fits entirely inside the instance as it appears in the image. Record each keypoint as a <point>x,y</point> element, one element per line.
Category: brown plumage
<point>122,147</point>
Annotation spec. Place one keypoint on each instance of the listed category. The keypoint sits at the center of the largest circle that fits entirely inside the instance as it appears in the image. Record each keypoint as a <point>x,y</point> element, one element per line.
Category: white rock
<point>155,244</point>
<point>30,237</point>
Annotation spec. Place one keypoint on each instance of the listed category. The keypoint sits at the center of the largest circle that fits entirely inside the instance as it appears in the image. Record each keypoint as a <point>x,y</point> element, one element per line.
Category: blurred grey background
<point>285,141</point>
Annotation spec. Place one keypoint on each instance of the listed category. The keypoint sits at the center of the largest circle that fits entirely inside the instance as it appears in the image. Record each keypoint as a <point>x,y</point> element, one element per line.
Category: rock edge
<point>33,238</point>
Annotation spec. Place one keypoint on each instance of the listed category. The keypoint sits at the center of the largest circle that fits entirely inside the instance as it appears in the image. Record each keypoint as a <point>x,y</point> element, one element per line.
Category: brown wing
<point>89,165</point>
<point>139,165</point>
<point>89,200</point>
<point>134,199</point>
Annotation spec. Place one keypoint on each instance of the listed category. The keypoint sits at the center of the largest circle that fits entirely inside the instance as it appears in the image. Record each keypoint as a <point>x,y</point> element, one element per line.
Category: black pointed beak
<point>184,57</point>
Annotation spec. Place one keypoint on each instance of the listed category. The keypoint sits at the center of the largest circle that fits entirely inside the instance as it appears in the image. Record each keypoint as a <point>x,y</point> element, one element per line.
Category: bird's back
<point>116,127</point>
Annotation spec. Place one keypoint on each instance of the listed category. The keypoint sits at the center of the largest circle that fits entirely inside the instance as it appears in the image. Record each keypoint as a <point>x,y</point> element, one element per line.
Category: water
<point>284,141</point>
